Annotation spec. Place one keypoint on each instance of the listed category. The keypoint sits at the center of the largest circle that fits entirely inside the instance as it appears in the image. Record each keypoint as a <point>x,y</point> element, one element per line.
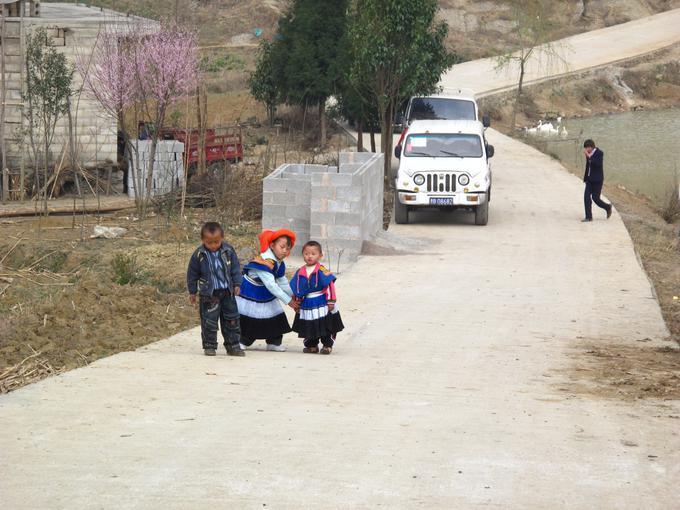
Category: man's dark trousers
<point>220,309</point>
<point>593,189</point>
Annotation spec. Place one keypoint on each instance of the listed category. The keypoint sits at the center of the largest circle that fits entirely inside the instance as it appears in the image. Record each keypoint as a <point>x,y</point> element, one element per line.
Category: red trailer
<point>218,147</point>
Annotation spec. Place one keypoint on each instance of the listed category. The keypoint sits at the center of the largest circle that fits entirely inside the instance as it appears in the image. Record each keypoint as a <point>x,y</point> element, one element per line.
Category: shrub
<point>671,209</point>
<point>126,269</point>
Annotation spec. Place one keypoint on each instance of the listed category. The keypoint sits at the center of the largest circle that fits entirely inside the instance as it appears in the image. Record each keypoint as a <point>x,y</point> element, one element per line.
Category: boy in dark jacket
<point>214,279</point>
<point>594,179</point>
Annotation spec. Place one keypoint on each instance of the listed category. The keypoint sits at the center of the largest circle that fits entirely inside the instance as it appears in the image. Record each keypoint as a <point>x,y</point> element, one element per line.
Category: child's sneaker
<point>243,346</point>
<point>276,348</point>
<point>210,352</point>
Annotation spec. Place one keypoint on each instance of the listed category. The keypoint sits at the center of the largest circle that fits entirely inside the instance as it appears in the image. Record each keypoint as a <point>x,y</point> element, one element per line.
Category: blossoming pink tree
<point>143,67</point>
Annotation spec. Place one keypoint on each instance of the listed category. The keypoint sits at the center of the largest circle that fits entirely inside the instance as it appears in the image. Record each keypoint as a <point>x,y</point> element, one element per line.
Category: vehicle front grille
<point>441,183</point>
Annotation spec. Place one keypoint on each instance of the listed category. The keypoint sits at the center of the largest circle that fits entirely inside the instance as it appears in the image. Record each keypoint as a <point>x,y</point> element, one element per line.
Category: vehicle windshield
<point>437,108</point>
<point>428,145</point>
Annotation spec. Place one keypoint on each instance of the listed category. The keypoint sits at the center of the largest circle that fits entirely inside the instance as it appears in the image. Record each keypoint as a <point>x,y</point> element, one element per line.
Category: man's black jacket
<point>594,167</point>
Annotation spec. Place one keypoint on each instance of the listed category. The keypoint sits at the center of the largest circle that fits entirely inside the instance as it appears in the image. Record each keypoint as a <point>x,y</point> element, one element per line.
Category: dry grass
<point>671,209</point>
<point>60,305</point>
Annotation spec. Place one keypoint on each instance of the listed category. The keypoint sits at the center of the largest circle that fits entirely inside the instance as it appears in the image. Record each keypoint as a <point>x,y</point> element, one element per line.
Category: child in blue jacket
<point>214,280</point>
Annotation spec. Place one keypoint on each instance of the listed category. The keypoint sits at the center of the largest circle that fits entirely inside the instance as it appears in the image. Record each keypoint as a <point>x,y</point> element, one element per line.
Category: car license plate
<point>441,201</point>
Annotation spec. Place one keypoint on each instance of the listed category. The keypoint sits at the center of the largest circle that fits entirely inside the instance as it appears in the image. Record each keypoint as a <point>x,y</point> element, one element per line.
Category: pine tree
<point>309,41</point>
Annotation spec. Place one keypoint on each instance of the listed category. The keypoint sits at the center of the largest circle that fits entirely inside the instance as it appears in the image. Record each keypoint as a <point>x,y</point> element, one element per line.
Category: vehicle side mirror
<point>490,151</point>
<point>486,121</point>
<point>397,152</point>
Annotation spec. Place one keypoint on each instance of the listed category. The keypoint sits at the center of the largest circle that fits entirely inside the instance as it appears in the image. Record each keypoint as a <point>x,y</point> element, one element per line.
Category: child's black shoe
<point>236,352</point>
<point>210,352</point>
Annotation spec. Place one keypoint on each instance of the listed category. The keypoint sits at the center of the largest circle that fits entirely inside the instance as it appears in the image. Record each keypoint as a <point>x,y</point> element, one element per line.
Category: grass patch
<point>126,269</point>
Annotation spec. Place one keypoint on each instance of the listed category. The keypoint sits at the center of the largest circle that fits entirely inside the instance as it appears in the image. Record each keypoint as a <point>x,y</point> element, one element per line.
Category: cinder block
<point>318,232</point>
<point>274,184</point>
<point>298,169</point>
<point>324,192</point>
<point>315,169</point>
<point>341,179</point>
<point>349,219</point>
<point>323,218</point>
<point>304,199</point>
<point>351,193</point>
<point>344,232</point>
<point>274,211</point>
<point>355,207</point>
<point>355,157</point>
<point>319,204</point>
<point>350,168</point>
<point>340,206</point>
<point>280,197</point>
<point>297,212</point>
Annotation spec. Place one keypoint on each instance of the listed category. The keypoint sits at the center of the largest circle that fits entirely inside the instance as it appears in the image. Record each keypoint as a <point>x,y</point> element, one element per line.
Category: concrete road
<point>452,387</point>
<point>449,389</point>
<point>577,53</point>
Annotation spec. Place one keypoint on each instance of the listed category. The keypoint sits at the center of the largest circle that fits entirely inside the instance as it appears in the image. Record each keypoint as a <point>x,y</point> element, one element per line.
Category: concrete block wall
<point>340,207</point>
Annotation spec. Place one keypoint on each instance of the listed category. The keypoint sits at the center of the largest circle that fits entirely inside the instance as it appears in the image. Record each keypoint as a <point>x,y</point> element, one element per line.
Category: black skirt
<point>261,329</point>
<point>330,325</point>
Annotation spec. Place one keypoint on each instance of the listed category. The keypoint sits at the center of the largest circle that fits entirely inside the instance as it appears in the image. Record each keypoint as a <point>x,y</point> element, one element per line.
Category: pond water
<point>642,149</point>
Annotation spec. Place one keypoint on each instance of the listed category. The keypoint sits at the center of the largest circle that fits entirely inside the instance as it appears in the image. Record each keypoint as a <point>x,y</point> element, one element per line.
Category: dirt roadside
<point>67,301</point>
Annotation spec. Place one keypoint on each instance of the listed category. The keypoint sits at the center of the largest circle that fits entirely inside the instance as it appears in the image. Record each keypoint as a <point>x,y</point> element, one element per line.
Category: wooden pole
<point>3,98</point>
<point>22,165</point>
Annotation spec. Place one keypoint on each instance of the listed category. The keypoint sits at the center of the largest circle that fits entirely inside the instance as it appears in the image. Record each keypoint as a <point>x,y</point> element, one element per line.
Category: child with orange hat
<point>264,288</point>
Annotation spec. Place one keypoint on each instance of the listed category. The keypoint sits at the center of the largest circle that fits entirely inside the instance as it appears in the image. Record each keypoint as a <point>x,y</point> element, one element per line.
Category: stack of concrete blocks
<point>341,207</point>
<point>168,168</point>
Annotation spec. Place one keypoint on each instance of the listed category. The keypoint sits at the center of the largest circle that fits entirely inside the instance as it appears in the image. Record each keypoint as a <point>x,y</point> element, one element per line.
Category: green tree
<point>533,23</point>
<point>265,81</point>
<point>308,41</point>
<point>46,96</point>
<point>397,49</point>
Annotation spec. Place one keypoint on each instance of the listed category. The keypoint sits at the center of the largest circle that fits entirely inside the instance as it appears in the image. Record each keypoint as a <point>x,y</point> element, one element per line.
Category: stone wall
<point>341,207</point>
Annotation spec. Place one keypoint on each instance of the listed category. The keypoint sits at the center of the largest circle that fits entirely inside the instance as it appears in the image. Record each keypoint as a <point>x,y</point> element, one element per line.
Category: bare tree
<point>533,25</point>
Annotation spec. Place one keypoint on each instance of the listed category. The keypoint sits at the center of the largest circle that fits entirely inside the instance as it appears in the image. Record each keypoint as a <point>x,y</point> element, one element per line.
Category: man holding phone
<point>594,178</point>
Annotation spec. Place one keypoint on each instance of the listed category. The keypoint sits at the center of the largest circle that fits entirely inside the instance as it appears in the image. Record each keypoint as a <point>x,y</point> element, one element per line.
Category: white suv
<point>444,164</point>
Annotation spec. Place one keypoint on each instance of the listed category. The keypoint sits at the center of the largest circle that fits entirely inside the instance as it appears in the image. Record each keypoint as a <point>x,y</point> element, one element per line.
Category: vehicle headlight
<point>419,179</point>
<point>463,180</point>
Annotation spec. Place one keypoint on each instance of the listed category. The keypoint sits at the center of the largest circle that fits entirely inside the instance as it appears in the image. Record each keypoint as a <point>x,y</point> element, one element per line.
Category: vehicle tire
<point>400,211</point>
<point>482,214</point>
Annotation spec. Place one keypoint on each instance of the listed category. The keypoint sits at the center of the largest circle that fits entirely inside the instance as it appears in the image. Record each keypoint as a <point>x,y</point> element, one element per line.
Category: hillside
<point>478,28</point>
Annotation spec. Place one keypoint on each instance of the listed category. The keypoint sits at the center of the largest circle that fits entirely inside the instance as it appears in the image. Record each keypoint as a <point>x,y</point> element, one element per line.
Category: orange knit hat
<point>267,237</point>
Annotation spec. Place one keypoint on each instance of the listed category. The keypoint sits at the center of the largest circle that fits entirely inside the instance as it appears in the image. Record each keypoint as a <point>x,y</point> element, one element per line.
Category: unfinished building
<point>74,29</point>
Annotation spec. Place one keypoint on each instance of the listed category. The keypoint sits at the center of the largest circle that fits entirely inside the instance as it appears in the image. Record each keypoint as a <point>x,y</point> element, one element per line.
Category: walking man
<point>594,178</point>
